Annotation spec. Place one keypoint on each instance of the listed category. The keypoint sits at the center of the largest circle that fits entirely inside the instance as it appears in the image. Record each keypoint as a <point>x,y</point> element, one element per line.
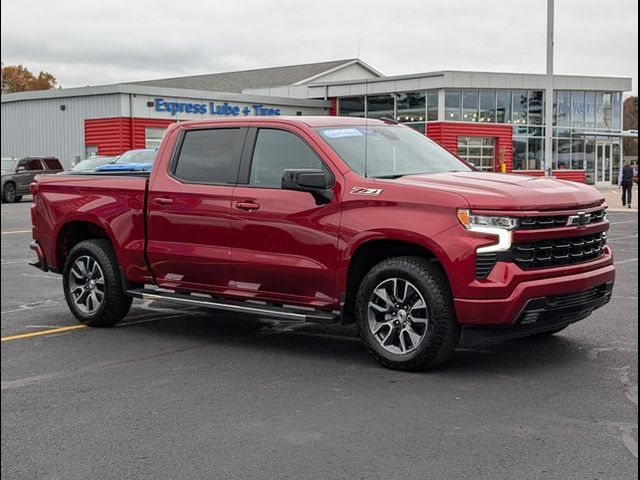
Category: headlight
<point>501,227</point>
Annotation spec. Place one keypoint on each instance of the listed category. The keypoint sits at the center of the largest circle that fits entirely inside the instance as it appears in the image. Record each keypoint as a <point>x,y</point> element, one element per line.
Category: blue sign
<point>212,108</point>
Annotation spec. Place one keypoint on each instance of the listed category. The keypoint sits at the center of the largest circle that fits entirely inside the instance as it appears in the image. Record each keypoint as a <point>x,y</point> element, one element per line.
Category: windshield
<point>7,164</point>
<point>391,151</point>
<point>92,163</point>
<point>137,156</point>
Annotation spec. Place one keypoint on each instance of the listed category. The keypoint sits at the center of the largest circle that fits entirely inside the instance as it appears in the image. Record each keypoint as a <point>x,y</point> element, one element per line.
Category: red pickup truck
<point>329,219</point>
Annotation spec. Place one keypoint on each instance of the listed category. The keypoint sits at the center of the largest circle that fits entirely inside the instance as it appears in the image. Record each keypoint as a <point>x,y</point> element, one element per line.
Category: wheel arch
<point>75,231</point>
<point>368,253</point>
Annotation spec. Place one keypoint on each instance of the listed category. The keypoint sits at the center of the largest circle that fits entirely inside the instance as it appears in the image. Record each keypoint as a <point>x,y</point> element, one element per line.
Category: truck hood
<point>497,191</point>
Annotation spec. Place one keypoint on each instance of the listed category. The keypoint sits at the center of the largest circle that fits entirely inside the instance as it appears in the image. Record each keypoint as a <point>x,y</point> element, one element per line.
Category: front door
<point>189,209</point>
<point>284,244</point>
<point>603,163</point>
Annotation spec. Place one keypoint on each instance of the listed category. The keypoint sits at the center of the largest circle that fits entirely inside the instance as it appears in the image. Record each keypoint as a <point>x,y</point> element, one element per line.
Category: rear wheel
<point>9,193</point>
<point>405,314</point>
<point>92,285</point>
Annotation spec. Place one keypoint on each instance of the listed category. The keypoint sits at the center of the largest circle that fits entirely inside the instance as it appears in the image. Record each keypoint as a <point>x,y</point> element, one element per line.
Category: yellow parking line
<point>10,232</point>
<point>50,331</point>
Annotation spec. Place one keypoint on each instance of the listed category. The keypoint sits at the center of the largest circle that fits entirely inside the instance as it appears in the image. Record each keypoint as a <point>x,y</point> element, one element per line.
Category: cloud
<point>95,42</point>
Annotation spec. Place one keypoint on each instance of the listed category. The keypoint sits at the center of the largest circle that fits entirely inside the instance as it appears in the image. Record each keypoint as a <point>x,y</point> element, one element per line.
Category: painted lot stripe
<point>39,333</point>
<point>14,232</point>
<point>628,260</point>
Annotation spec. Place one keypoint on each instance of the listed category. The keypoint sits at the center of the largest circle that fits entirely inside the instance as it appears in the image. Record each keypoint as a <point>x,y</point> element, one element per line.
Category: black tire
<point>9,193</point>
<point>115,303</point>
<point>442,331</point>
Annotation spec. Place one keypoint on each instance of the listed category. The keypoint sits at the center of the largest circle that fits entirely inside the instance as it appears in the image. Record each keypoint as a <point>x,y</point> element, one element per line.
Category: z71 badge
<point>366,191</point>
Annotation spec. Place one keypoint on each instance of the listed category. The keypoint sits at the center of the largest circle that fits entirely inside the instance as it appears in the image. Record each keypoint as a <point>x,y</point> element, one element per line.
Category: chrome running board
<point>249,308</point>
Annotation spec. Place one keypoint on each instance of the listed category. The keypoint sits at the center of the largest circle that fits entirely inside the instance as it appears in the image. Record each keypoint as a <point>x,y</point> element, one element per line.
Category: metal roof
<point>258,78</point>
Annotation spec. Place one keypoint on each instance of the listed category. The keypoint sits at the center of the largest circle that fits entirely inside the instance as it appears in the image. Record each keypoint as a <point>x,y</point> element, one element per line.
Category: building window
<point>432,105</point>
<point>577,154</point>
<point>479,151</point>
<point>590,160</point>
<point>452,105</point>
<point>411,107</point>
<point>381,106</point>
<point>520,101</point>
<point>503,106</point>
<point>351,107</point>
<point>603,110</point>
<point>470,105</point>
<point>535,154</point>
<point>617,112</point>
<point>577,109</point>
<point>563,154</point>
<point>536,107</point>
<point>590,110</point>
<point>562,104</point>
<point>487,106</point>
<point>519,153</point>
<point>153,137</point>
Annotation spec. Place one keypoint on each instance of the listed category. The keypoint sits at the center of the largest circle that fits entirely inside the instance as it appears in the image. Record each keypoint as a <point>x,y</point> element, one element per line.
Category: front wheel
<point>405,314</point>
<point>92,285</point>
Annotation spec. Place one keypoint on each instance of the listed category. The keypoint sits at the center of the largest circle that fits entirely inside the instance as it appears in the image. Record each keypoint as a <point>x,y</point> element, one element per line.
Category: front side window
<point>208,156</point>
<point>389,151</point>
<point>277,151</point>
<point>31,165</point>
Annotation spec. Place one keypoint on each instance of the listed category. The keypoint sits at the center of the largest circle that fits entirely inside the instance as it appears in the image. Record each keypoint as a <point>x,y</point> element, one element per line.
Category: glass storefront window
<point>615,161</point>
<point>535,156</point>
<point>563,102</point>
<point>487,106</point>
<point>563,154</point>
<point>519,153</point>
<point>520,107</point>
<point>453,105</point>
<point>503,106</point>
<point>380,106</point>
<point>603,110</point>
<point>577,154</point>
<point>411,106</point>
<point>590,159</point>
<point>590,110</point>
<point>617,112</point>
<point>577,109</point>
<point>479,151</point>
<point>536,107</point>
<point>351,107</point>
<point>470,106</point>
<point>432,105</point>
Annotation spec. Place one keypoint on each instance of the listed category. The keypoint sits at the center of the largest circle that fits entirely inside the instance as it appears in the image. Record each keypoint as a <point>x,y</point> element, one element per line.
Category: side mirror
<point>315,182</point>
<point>21,168</point>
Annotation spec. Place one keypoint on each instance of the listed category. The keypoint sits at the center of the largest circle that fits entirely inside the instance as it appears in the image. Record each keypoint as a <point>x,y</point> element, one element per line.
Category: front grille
<point>555,221</point>
<point>576,299</point>
<point>559,251</point>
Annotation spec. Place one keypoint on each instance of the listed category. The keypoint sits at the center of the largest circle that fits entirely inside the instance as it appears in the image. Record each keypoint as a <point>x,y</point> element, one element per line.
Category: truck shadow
<point>342,343</point>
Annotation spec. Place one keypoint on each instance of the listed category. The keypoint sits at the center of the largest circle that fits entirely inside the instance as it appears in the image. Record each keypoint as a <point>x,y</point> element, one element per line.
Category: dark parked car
<point>91,164</point>
<point>18,173</point>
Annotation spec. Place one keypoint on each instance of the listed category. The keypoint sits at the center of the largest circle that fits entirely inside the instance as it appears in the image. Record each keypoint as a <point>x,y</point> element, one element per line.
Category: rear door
<point>189,208</point>
<point>284,245</point>
<point>27,169</point>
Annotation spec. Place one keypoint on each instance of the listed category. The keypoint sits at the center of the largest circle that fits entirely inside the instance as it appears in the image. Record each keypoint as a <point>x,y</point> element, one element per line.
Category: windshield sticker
<point>342,133</point>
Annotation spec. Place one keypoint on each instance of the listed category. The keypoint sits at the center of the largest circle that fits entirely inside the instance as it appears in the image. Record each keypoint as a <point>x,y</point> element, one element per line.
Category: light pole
<point>548,131</point>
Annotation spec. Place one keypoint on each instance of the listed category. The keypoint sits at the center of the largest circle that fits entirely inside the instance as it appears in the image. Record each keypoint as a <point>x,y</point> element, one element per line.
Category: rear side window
<point>209,156</point>
<point>31,165</point>
<point>52,164</point>
<point>277,151</point>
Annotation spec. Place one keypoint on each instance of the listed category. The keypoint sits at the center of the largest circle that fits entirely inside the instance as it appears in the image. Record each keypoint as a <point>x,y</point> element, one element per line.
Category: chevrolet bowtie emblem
<point>579,220</point>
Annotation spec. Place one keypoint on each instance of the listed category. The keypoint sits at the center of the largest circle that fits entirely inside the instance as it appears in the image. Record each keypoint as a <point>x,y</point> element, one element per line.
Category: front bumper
<point>508,311</point>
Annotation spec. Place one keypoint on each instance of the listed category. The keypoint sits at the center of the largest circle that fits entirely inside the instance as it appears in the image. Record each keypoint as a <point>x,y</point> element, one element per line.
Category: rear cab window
<point>52,164</point>
<point>209,156</point>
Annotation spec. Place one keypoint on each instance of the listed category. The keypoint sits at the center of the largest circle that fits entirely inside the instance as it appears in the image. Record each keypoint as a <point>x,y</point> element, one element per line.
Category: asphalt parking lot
<point>188,394</point>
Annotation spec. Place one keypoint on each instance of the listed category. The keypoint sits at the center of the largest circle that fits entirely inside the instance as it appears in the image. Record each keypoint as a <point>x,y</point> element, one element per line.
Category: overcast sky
<point>87,42</point>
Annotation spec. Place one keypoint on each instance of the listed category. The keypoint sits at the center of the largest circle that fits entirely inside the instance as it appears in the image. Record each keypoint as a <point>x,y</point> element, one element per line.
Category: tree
<point>630,122</point>
<point>17,78</point>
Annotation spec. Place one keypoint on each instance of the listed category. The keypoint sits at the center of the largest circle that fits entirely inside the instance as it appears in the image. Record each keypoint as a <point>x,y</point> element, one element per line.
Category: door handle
<point>248,206</point>
<point>163,201</point>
